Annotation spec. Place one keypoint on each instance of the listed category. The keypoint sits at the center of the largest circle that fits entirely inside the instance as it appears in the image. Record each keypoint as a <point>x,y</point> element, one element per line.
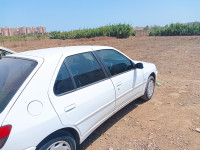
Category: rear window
<point>13,72</point>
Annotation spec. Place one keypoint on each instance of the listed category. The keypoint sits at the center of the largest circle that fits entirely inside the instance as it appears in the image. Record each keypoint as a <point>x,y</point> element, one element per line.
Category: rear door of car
<point>81,92</point>
<point>125,78</point>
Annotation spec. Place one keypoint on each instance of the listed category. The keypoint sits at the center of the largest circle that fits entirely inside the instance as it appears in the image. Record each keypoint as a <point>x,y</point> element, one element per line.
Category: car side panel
<point>29,130</point>
<point>139,81</point>
<point>89,105</point>
<point>128,85</point>
<point>124,87</point>
<point>31,124</point>
<point>127,97</point>
<point>85,106</point>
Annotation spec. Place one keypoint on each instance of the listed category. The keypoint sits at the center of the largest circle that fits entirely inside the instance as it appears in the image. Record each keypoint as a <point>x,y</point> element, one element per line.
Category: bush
<point>119,31</point>
<point>176,30</point>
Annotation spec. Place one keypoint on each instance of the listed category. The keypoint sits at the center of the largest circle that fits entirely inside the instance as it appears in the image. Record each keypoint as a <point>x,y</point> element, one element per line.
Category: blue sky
<point>65,15</point>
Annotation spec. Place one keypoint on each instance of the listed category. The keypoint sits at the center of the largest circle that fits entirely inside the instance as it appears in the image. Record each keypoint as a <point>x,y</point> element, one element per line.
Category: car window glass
<point>85,69</point>
<point>115,61</point>
<point>13,72</point>
<point>63,82</point>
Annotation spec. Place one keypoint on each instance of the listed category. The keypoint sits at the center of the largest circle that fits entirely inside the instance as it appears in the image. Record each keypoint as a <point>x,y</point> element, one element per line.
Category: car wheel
<point>149,90</point>
<point>66,142</point>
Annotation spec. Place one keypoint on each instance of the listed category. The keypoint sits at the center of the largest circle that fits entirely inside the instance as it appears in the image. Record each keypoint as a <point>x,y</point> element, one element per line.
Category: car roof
<point>58,51</point>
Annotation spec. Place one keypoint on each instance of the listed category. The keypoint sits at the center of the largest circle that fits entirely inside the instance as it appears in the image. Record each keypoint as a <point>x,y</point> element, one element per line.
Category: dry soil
<point>169,120</point>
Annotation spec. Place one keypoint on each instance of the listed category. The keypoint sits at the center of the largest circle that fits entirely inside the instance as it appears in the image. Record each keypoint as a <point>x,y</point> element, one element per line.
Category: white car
<point>53,99</point>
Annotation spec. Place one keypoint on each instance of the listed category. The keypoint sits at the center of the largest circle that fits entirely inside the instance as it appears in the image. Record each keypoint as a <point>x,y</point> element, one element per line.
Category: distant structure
<point>22,31</point>
<point>142,31</point>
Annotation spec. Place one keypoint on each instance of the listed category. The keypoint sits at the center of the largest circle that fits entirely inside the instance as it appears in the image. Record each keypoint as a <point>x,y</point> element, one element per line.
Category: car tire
<point>149,90</point>
<point>66,142</point>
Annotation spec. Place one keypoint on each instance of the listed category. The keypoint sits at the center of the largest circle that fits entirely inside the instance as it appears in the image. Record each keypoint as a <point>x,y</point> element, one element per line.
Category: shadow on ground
<point>109,123</point>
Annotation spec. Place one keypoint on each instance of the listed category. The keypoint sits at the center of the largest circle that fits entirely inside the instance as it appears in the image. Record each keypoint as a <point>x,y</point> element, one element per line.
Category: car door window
<point>115,61</point>
<point>85,69</point>
<point>63,82</point>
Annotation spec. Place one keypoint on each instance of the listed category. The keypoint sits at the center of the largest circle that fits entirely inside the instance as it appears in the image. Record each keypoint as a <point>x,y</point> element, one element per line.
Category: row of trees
<point>119,31</point>
<point>177,29</point>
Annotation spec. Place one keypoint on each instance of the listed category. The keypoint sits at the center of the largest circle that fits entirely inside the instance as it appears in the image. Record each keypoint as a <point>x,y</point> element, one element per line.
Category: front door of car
<point>123,75</point>
<point>81,93</point>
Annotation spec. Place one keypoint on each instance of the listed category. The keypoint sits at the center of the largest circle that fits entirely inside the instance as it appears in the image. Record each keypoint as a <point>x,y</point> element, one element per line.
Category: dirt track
<point>169,120</point>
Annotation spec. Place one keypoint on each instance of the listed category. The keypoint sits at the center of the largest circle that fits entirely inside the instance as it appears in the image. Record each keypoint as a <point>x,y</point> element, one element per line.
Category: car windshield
<point>13,72</point>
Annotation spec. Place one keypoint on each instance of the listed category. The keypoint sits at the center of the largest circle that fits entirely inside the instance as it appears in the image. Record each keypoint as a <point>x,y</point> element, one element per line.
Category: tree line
<point>176,29</point>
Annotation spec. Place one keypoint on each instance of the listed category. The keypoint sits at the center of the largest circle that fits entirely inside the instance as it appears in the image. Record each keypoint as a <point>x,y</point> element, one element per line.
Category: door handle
<point>119,84</point>
<point>70,108</point>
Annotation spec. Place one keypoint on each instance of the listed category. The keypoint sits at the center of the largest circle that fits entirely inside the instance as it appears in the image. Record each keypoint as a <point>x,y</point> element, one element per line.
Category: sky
<point>66,15</point>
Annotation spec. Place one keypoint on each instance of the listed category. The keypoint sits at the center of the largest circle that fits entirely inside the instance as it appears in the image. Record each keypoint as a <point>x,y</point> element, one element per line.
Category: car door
<point>125,78</point>
<point>81,93</point>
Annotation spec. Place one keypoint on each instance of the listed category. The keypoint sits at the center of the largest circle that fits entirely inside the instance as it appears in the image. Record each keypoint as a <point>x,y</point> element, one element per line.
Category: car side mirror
<point>139,66</point>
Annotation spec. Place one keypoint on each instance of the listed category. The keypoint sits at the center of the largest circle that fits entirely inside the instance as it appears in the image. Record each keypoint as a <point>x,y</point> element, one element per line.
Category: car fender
<point>148,69</point>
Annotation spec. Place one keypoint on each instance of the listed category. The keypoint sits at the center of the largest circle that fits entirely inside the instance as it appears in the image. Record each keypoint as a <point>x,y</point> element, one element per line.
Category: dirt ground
<point>169,120</point>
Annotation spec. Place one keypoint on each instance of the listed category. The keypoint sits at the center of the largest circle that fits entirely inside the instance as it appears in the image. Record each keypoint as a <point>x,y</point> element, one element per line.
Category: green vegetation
<point>24,37</point>
<point>119,31</point>
<point>176,30</point>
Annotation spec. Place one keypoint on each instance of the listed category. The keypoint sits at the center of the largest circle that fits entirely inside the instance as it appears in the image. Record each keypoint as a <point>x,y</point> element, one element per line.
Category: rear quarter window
<point>63,82</point>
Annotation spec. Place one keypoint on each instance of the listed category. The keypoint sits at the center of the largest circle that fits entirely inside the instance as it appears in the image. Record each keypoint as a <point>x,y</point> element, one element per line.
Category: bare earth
<point>169,120</point>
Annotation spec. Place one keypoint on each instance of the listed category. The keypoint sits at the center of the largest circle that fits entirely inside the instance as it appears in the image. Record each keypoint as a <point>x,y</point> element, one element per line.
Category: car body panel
<point>127,84</point>
<point>123,84</point>
<point>148,69</point>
